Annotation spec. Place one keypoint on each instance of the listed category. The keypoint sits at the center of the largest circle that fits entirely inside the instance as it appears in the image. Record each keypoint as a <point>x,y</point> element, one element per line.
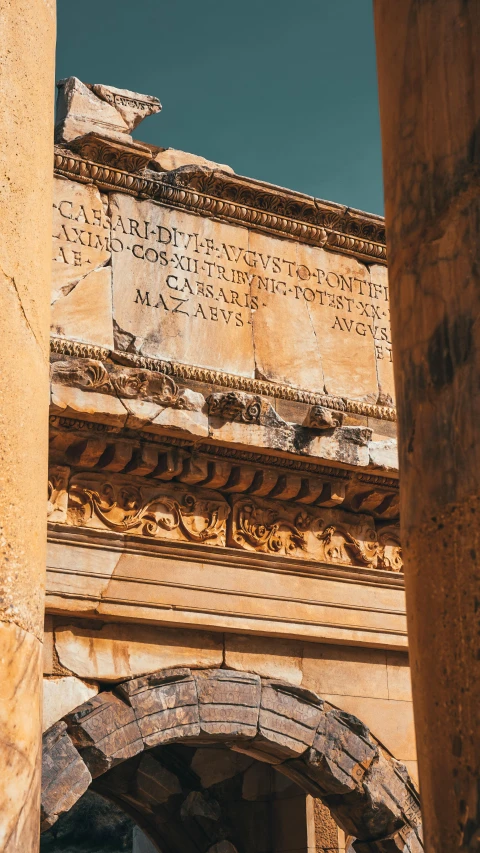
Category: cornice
<point>236,199</point>
<point>62,346</point>
<point>79,425</point>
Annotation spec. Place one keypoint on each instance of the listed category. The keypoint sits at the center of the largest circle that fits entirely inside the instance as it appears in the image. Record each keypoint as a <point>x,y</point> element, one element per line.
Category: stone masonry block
<point>404,841</point>
<point>384,804</point>
<point>105,731</point>
<point>165,704</point>
<point>228,702</point>
<point>341,753</point>
<point>65,777</point>
<point>288,720</point>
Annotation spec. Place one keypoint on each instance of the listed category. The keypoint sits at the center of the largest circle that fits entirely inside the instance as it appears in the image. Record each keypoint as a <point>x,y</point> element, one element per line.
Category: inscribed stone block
<point>178,292</point>
<point>81,234</point>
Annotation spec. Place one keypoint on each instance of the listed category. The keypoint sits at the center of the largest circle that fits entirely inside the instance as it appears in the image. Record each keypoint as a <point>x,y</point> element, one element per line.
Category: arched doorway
<point>146,744</point>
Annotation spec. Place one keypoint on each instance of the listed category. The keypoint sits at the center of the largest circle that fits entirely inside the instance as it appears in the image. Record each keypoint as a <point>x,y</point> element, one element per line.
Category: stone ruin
<point>225,634</point>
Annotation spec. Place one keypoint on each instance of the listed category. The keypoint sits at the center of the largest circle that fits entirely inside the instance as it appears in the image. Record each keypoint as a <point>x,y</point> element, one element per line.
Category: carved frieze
<point>158,511</point>
<point>188,372</point>
<point>185,513</point>
<point>329,536</point>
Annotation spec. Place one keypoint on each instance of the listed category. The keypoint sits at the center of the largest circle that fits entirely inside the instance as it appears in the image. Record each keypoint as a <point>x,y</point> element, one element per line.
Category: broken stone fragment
<point>171,158</point>
<point>112,112</point>
<point>245,408</point>
<point>319,417</point>
<point>384,454</point>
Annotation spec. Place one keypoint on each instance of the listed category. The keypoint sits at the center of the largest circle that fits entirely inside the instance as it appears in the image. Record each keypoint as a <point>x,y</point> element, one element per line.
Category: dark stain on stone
<point>457,746</point>
<point>474,146</point>
<point>449,348</point>
<point>471,831</point>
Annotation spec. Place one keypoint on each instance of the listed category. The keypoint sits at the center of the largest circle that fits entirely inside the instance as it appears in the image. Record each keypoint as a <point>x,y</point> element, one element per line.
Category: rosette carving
<point>245,408</point>
<point>235,407</point>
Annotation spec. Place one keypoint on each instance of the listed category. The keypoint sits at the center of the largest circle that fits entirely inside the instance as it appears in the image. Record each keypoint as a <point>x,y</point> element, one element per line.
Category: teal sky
<point>281,90</point>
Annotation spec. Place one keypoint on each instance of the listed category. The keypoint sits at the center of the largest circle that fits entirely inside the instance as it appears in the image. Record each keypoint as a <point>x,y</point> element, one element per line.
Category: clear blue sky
<point>281,90</point>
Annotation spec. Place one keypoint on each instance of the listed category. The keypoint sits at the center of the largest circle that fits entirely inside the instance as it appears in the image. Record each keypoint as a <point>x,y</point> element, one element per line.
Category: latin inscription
<point>213,281</point>
<point>207,293</point>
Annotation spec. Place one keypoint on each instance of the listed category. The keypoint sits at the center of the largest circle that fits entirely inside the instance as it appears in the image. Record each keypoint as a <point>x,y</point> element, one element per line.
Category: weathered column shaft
<point>429,73</point>
<point>27,30</point>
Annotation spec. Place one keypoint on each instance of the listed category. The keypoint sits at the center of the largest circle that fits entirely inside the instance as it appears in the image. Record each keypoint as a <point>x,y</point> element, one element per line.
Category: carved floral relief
<point>147,509</point>
<point>179,513</point>
<point>330,536</point>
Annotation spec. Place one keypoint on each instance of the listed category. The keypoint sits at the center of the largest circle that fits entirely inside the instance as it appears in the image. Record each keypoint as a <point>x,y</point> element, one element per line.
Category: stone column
<point>27,30</point>
<point>429,72</point>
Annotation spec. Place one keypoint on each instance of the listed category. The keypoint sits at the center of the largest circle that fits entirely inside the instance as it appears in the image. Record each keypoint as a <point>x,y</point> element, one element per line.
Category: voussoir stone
<point>228,702</point>
<point>385,802</point>
<point>341,753</point>
<point>287,723</point>
<point>165,705</point>
<point>404,841</point>
<point>65,776</point>
<point>106,732</point>
<point>155,783</point>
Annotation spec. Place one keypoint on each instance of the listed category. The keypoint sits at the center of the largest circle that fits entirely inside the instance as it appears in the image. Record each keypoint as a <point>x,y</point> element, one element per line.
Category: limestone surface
<point>113,112</point>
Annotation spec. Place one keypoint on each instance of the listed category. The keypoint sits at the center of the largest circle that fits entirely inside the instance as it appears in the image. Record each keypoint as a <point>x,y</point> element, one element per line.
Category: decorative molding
<point>329,536</point>
<point>109,152</point>
<point>207,554</point>
<point>129,505</point>
<point>92,446</point>
<point>241,200</point>
<point>61,346</point>
<point>163,512</point>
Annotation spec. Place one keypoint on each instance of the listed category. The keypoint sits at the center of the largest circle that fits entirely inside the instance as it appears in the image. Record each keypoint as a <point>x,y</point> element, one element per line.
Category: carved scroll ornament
<point>389,549</point>
<point>268,531</point>
<point>176,512</point>
<point>164,512</point>
<point>327,536</point>
<point>88,374</point>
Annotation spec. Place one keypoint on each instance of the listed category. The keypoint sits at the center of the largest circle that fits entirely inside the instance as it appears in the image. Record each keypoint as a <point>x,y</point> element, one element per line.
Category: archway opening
<point>187,799</point>
<point>220,761</point>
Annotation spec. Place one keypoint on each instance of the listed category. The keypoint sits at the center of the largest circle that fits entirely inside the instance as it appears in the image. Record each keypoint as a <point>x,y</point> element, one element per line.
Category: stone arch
<point>328,753</point>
